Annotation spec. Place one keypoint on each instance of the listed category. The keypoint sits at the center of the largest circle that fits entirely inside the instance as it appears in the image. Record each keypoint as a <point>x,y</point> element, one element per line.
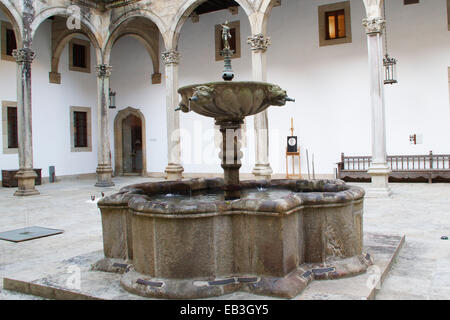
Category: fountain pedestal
<point>231,156</point>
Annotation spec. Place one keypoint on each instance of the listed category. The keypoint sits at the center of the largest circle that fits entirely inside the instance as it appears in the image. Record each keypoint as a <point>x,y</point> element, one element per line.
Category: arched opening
<point>197,35</point>
<point>14,19</point>
<point>143,30</point>
<point>130,143</point>
<point>61,37</point>
<point>77,93</point>
<point>194,8</point>
<point>135,59</point>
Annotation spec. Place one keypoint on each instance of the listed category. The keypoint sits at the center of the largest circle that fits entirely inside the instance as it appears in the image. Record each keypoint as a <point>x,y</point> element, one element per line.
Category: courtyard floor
<point>419,211</point>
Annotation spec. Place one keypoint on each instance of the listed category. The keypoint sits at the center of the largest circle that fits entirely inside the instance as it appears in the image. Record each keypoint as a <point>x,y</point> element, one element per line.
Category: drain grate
<point>149,283</point>
<point>221,282</point>
<point>321,271</point>
<point>30,233</point>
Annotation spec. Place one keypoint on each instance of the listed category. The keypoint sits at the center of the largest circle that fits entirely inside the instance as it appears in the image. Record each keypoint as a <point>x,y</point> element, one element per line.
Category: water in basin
<point>218,195</point>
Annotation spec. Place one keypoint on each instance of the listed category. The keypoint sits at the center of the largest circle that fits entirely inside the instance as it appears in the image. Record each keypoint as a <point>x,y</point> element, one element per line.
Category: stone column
<point>174,169</point>
<point>104,169</point>
<point>259,44</point>
<point>379,169</point>
<point>26,176</point>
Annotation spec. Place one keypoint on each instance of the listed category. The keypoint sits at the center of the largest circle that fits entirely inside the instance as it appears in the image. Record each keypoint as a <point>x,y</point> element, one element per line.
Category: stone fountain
<point>199,238</point>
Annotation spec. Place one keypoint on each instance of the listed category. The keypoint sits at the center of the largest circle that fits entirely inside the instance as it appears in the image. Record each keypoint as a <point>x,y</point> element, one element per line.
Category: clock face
<point>292,141</point>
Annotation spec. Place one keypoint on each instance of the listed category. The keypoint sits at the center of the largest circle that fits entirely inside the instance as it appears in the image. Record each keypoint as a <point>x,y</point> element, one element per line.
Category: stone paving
<point>420,211</point>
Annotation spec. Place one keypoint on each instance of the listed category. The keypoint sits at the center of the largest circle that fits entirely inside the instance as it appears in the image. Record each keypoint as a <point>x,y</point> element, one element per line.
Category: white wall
<point>7,93</point>
<point>331,115</point>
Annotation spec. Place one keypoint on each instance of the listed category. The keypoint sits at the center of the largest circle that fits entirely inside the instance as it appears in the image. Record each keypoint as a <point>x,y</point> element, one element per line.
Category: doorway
<point>130,149</point>
<point>132,145</point>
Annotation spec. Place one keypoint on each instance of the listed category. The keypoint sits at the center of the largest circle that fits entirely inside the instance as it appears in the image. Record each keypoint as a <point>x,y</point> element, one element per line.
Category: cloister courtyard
<point>98,96</point>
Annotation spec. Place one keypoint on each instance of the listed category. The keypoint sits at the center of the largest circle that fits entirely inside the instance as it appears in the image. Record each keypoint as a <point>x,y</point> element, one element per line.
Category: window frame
<point>87,110</point>
<point>5,133</point>
<point>87,45</point>
<point>323,10</point>
<point>448,14</point>
<point>5,26</point>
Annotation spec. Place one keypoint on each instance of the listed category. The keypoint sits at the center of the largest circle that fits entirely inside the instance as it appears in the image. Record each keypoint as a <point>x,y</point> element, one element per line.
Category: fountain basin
<point>231,100</point>
<point>195,249</point>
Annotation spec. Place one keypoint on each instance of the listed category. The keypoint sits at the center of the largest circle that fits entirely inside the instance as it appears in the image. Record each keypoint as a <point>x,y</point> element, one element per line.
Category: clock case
<point>294,147</point>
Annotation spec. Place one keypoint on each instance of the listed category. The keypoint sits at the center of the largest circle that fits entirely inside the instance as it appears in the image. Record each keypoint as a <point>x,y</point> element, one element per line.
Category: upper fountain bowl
<point>231,100</point>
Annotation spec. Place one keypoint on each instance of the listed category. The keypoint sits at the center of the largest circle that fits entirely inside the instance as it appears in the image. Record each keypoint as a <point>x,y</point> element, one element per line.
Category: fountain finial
<point>226,35</point>
<point>228,73</point>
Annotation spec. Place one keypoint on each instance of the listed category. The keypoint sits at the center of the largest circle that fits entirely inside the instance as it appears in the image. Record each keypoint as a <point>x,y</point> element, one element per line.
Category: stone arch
<point>15,20</point>
<point>260,21</point>
<point>58,45</point>
<point>87,28</point>
<point>140,30</point>
<point>185,11</point>
<point>118,144</point>
<point>128,16</point>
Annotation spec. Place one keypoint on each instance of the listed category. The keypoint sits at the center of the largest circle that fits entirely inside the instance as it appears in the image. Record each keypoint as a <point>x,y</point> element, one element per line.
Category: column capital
<point>374,25</point>
<point>103,71</point>
<point>25,55</point>
<point>259,42</point>
<point>171,57</point>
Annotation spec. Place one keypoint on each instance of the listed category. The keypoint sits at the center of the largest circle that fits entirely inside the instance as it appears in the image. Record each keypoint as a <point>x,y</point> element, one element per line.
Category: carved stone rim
<point>304,193</point>
<point>228,84</point>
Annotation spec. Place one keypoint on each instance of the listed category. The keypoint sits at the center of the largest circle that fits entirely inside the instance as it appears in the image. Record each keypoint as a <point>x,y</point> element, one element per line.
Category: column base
<point>26,179</point>
<point>379,193</point>
<point>104,176</point>
<point>262,171</point>
<point>174,172</point>
<point>379,187</point>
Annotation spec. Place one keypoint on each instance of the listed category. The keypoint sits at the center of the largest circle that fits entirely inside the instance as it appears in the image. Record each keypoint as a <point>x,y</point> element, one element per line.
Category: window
<point>79,55</point>
<point>335,21</point>
<point>235,41</point>
<point>80,129</point>
<point>8,41</point>
<point>13,138</point>
<point>80,134</point>
<point>9,126</point>
<point>335,24</point>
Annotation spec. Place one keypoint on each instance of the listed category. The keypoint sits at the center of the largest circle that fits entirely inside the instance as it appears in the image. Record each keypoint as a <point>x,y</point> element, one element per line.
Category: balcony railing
<point>409,168</point>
